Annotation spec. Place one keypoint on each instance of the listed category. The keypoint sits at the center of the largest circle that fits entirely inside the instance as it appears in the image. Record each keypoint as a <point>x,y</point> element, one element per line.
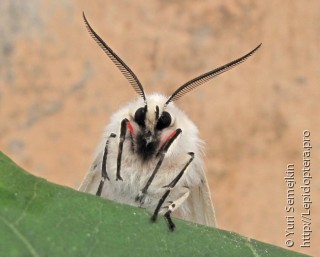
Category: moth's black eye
<point>140,116</point>
<point>164,121</point>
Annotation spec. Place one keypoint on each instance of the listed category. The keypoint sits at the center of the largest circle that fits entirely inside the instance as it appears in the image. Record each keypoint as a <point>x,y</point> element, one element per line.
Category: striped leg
<point>162,152</point>
<point>104,174</point>
<point>173,205</point>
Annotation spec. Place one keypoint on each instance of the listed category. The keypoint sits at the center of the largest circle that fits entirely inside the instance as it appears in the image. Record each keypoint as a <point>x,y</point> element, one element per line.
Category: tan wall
<point>58,90</point>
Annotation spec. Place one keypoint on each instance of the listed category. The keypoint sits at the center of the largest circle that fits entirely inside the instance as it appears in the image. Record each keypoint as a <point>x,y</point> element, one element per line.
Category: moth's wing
<point>200,200</point>
<point>198,206</point>
<point>91,181</point>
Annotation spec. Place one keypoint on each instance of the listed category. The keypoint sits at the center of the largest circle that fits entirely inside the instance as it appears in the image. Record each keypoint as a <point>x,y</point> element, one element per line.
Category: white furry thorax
<point>134,171</point>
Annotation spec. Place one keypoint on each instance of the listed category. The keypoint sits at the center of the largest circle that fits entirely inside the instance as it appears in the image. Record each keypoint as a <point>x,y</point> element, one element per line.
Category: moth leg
<point>171,225</point>
<point>172,207</point>
<point>104,174</point>
<point>125,124</point>
<point>162,152</point>
<point>170,187</point>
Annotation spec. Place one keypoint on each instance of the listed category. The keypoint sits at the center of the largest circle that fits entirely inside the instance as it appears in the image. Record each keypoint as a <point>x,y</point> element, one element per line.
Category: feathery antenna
<point>192,84</point>
<point>124,69</point>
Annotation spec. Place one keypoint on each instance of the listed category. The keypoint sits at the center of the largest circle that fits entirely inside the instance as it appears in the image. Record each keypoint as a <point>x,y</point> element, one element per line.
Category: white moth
<point>151,155</point>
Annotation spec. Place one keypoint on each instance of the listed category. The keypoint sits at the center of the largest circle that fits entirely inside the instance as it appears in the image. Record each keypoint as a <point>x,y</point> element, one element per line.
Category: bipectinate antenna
<point>124,69</point>
<point>192,84</point>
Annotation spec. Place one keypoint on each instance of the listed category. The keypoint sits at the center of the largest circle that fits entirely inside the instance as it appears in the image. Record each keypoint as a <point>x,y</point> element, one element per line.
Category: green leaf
<point>38,218</point>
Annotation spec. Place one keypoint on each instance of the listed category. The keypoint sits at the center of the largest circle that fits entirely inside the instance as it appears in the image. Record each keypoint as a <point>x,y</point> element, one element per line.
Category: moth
<point>151,155</point>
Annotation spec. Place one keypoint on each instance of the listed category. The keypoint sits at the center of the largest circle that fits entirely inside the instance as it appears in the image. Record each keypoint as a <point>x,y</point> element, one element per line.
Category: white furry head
<point>150,129</point>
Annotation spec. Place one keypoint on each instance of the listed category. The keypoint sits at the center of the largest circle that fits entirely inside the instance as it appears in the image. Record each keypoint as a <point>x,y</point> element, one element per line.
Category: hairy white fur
<point>135,172</point>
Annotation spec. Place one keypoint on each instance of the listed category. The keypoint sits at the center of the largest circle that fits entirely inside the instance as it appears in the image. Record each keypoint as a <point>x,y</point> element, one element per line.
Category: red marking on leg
<point>129,126</point>
<point>168,138</point>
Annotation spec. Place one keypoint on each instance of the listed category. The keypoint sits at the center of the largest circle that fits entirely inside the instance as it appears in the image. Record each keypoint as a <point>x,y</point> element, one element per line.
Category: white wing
<point>91,181</point>
<point>198,206</point>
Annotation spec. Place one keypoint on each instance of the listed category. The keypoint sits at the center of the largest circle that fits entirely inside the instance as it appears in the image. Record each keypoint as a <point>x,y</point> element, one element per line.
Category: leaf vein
<point>23,239</point>
<point>23,214</point>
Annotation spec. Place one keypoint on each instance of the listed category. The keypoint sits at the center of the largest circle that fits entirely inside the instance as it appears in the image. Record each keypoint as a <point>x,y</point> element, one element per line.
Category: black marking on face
<point>157,112</point>
<point>147,145</point>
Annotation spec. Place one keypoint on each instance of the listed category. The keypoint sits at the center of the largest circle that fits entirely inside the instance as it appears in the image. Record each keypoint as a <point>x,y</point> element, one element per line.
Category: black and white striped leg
<point>123,132</point>
<point>171,225</point>
<point>104,174</point>
<point>173,206</point>
<point>162,152</point>
<point>170,187</point>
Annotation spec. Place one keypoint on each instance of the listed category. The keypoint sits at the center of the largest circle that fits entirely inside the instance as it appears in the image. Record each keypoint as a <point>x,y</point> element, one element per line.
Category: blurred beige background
<point>58,90</point>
